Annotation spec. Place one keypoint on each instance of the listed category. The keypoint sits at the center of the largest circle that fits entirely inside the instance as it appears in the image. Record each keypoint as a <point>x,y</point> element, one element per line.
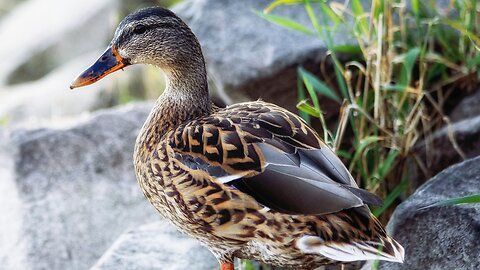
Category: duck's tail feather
<point>385,249</point>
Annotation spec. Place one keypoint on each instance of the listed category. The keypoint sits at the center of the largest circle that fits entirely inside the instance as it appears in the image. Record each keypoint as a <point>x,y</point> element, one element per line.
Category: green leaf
<point>416,7</point>
<point>455,201</point>
<point>362,145</point>
<point>408,60</point>
<point>396,192</point>
<point>395,87</point>
<point>343,154</point>
<point>307,108</point>
<point>311,91</point>
<point>277,3</point>
<point>346,48</point>
<point>330,13</point>
<point>285,22</point>
<point>378,8</point>
<point>301,96</point>
<point>474,63</point>
<point>387,164</point>
<point>317,85</point>
<point>416,10</point>
<point>361,20</point>
<point>462,29</point>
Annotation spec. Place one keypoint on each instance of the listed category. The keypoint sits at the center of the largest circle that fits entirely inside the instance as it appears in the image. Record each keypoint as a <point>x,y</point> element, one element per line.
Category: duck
<point>251,180</point>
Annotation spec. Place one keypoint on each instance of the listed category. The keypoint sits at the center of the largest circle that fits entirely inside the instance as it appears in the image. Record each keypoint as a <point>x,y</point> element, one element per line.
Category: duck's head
<point>149,36</point>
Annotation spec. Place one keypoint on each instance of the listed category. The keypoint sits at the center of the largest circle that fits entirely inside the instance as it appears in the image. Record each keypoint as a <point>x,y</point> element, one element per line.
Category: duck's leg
<point>226,266</point>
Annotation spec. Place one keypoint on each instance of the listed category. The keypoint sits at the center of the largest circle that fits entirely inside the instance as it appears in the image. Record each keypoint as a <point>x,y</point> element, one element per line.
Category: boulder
<point>29,103</point>
<point>469,107</point>
<point>6,6</point>
<point>38,35</point>
<point>444,237</point>
<point>248,57</point>
<point>438,151</point>
<point>67,193</point>
<point>156,245</point>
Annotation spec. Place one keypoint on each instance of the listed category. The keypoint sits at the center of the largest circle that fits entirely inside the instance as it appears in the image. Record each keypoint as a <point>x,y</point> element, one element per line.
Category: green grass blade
<point>343,154</point>
<point>474,62</point>
<point>301,96</point>
<point>278,3</point>
<point>391,197</point>
<point>307,108</point>
<point>316,104</point>
<point>462,29</point>
<point>378,7</point>
<point>415,4</point>
<point>408,61</point>
<point>361,20</point>
<point>348,49</point>
<point>317,85</point>
<point>285,22</point>
<point>362,145</point>
<point>325,35</point>
<point>330,13</point>
<point>455,201</point>
<point>387,164</point>
<point>395,87</point>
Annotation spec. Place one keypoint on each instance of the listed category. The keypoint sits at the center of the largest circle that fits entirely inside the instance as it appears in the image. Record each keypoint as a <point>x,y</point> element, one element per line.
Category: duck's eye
<point>139,29</point>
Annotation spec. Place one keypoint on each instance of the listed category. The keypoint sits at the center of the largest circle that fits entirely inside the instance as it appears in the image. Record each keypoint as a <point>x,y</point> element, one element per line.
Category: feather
<point>271,155</point>
<point>386,250</point>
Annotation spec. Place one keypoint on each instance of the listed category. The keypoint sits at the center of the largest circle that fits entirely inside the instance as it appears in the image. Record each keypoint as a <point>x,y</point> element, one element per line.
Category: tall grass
<point>411,57</point>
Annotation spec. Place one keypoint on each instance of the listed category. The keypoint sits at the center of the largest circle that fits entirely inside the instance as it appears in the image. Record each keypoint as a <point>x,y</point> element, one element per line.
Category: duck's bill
<point>110,61</point>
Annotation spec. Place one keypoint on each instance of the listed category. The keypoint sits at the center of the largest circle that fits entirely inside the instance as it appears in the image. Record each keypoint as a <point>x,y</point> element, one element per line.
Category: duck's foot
<point>226,266</point>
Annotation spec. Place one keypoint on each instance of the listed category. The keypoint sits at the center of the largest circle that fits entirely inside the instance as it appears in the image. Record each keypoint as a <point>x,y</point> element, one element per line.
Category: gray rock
<point>30,103</point>
<point>6,6</point>
<point>467,108</point>
<point>38,35</point>
<point>441,151</point>
<point>249,57</point>
<point>156,246</point>
<point>68,193</point>
<point>440,237</point>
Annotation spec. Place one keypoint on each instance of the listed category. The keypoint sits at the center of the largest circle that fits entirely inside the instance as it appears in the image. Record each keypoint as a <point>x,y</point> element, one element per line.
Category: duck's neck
<point>184,98</point>
<point>186,91</point>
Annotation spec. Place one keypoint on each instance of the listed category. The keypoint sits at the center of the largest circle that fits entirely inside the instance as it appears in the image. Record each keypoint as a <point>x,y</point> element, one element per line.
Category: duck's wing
<point>272,155</point>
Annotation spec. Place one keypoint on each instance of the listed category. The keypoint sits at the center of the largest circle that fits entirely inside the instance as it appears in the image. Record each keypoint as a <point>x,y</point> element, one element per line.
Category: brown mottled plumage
<point>251,180</point>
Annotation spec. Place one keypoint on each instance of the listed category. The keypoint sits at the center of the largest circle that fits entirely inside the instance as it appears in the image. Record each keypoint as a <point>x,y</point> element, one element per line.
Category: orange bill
<point>110,61</point>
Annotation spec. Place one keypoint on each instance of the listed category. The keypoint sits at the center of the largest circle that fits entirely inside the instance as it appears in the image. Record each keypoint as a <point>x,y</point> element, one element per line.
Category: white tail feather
<point>349,252</point>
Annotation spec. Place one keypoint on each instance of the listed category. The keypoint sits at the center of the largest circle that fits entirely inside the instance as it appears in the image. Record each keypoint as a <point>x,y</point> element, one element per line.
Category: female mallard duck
<point>251,180</point>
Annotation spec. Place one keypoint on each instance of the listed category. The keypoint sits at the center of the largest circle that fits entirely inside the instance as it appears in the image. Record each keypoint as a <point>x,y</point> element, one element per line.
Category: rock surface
<point>441,151</point>
<point>469,107</point>
<point>156,245</point>
<point>440,237</point>
<point>39,35</point>
<point>28,103</point>
<point>67,194</point>
<point>249,57</point>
